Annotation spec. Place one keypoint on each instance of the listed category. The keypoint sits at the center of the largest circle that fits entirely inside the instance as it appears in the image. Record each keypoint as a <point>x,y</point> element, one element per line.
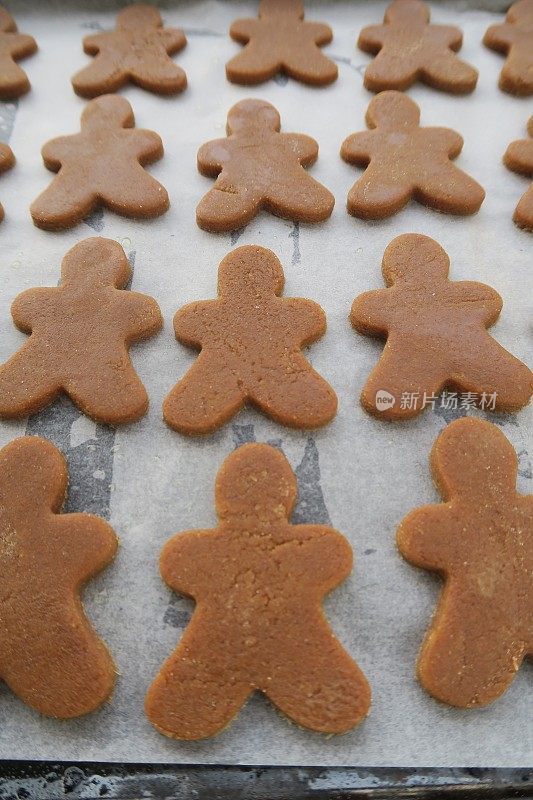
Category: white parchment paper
<point>360,474</point>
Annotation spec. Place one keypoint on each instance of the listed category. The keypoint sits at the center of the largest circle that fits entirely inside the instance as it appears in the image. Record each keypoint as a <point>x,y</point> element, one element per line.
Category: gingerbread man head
<point>392,110</point>
<point>413,13</point>
<point>96,261</point>
<point>110,110</point>
<point>521,12</point>
<point>253,114</point>
<point>7,23</point>
<point>415,259</point>
<point>239,277</point>
<point>138,18</point>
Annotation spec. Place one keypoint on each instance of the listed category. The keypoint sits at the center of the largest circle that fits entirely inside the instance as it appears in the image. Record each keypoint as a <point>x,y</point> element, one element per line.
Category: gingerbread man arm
<point>449,35</point>
<point>23,45</point>
<point>357,148</point>
<point>89,544</point>
<point>323,556</point>
<point>56,151</point>
<point>371,311</point>
<point>173,39</point>
<point>446,137</point>
<point>429,537</point>
<point>519,157</point>
<point>192,322</point>
<point>242,30</point>
<point>322,33</point>
<point>95,42</point>
<point>212,156</point>
<point>478,296</point>
<point>500,37</point>
<point>307,319</point>
<point>144,315</point>
<point>372,38</point>
<point>148,143</point>
<point>305,148</point>
<point>185,561</point>
<point>29,306</point>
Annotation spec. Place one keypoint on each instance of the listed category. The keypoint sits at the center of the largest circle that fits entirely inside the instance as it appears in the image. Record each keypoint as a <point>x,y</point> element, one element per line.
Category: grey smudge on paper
<point>281,78</point>
<point>235,236</point>
<point>310,507</point>
<point>87,446</point>
<point>201,32</point>
<point>360,68</point>
<point>95,220</point>
<point>92,26</point>
<point>295,236</point>
<point>8,112</point>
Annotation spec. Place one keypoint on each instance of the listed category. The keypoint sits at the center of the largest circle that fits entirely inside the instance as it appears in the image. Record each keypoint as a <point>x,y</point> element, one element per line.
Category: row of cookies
<point>251,339</point>
<point>103,165</point>
<point>408,49</point>
<point>269,633</point>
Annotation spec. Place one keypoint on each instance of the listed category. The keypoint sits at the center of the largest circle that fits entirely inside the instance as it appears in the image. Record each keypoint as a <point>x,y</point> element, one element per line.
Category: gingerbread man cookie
<point>7,161</point>
<point>405,161</point>
<point>80,334</point>
<point>251,343</point>
<point>52,657</point>
<point>519,158</point>
<point>13,45</point>
<point>138,50</point>
<point>515,39</point>
<point>280,41</point>
<point>101,166</point>
<point>259,168</point>
<point>409,49</point>
<point>436,336</point>
<point>259,583</point>
<point>481,541</point>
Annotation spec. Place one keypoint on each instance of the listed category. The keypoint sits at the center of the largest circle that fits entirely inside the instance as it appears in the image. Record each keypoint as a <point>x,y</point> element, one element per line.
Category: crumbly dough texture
<point>519,158</point>
<point>480,539</point>
<point>257,167</point>
<point>281,41</point>
<point>101,166</point>
<point>259,583</point>
<point>251,343</point>
<point>80,334</point>
<point>515,39</point>
<point>436,334</point>
<point>405,161</point>
<point>13,46</point>
<point>52,658</point>
<point>409,49</point>
<point>138,51</point>
<point>7,161</point>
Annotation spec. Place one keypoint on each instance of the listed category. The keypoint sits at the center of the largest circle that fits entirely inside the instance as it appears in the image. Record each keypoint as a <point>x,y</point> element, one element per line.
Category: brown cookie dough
<point>257,167</point>
<point>519,158</point>
<point>7,161</point>
<point>405,161</point>
<point>137,51</point>
<point>13,45</point>
<point>280,41</point>
<point>515,39</point>
<point>436,336</point>
<point>409,49</point>
<point>251,343</point>
<point>80,334</point>
<point>481,541</point>
<point>52,658</point>
<point>101,166</point>
<point>259,583</point>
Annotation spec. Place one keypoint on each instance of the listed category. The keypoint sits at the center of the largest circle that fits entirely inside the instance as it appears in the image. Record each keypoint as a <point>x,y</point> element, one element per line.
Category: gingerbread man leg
<point>492,661</point>
<point>457,193</point>
<point>226,208</point>
<point>161,78</point>
<point>303,200</point>
<point>254,64</point>
<point>197,692</point>
<point>109,392</point>
<point>498,373</point>
<point>25,662</point>
<point>513,78</point>
<point>377,195</point>
<point>310,67</point>
<point>339,688</point>
<point>523,215</point>
<point>389,73</point>
<point>407,372</point>
<point>65,202</point>
<point>303,399</point>
<point>447,72</point>
<point>194,406</point>
<point>23,390</point>
<point>101,71</point>
<point>138,194</point>
<point>13,80</point>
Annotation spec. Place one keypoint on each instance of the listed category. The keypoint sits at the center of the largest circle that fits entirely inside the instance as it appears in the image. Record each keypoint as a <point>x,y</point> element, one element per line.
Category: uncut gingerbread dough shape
<point>257,167</point>
<point>7,161</point>
<point>80,334</point>
<point>103,165</point>
<point>259,583</point>
<point>405,161</point>
<point>13,45</point>
<point>409,49</point>
<point>480,539</point>
<point>251,343</point>
<point>281,41</point>
<point>519,158</point>
<point>515,39</point>
<point>52,658</point>
<point>436,334</point>
<point>138,50</point>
